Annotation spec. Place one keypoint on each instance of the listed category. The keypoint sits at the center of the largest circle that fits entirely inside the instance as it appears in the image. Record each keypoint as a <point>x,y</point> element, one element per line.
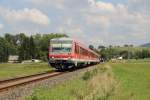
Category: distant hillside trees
<point>146,45</point>
<point>101,47</point>
<point>127,52</point>
<point>91,47</point>
<point>27,47</point>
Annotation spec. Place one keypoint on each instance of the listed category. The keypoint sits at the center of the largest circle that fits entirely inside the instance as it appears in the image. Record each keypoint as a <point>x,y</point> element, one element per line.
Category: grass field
<point>110,81</point>
<point>134,78</point>
<point>132,49</point>
<point>8,70</point>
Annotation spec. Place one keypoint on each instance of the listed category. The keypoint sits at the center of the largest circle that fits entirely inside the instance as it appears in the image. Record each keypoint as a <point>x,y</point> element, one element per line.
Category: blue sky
<point>98,22</point>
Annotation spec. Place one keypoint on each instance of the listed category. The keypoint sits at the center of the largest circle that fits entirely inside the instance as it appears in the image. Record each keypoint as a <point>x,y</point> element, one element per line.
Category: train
<point>66,53</point>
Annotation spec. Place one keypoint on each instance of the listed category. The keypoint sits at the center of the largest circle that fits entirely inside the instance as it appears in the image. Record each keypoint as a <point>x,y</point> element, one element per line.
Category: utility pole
<point>128,52</point>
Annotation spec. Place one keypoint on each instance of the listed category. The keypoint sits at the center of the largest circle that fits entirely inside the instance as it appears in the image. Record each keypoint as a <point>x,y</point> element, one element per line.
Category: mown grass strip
<point>8,70</point>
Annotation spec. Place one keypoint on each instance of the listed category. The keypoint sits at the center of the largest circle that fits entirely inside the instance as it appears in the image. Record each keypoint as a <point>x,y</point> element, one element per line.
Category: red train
<point>65,53</point>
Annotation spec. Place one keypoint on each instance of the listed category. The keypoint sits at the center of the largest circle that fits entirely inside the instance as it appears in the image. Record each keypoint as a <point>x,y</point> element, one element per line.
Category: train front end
<point>60,53</point>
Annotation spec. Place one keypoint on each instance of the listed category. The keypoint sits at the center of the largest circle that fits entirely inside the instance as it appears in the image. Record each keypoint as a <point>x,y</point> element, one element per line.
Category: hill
<point>145,45</point>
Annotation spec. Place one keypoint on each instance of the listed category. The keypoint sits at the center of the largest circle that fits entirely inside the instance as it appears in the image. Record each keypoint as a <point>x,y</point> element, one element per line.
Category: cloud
<point>105,6</point>
<point>108,23</point>
<point>101,5</point>
<point>1,26</point>
<point>117,21</point>
<point>100,20</point>
<point>23,15</point>
<point>57,3</point>
<point>105,14</point>
<point>141,6</point>
<point>74,32</point>
<point>92,21</point>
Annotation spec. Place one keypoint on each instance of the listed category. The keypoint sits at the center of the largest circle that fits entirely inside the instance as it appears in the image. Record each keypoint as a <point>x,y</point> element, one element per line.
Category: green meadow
<point>134,80</point>
<point>8,70</point>
<point>128,80</point>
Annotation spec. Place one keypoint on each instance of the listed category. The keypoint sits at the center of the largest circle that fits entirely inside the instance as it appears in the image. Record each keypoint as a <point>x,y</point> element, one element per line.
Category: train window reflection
<point>61,47</point>
<point>61,50</point>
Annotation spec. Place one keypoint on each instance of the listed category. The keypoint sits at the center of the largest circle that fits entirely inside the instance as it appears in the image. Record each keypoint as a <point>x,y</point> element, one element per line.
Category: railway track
<point>21,87</point>
<point>9,83</point>
<point>6,84</point>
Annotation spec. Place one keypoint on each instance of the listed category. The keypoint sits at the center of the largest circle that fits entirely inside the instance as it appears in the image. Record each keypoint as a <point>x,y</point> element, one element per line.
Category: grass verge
<point>8,70</point>
<point>112,81</point>
<point>92,85</point>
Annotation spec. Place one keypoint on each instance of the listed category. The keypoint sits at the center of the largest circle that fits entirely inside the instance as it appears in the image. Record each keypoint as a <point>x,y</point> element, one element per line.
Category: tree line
<point>26,47</point>
<point>36,47</point>
<point>127,52</point>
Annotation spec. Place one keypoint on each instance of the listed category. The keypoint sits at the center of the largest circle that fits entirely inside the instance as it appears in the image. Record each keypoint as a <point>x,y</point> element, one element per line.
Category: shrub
<point>89,74</point>
<point>86,76</point>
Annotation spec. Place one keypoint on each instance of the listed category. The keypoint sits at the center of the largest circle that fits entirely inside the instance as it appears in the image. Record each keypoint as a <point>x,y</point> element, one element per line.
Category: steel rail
<point>6,84</point>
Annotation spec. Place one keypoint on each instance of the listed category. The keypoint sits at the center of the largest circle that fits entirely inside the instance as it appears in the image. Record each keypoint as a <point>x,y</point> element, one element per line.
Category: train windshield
<point>59,47</point>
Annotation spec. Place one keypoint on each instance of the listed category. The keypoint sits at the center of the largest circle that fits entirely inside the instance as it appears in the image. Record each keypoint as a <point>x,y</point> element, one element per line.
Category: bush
<point>34,97</point>
<point>86,76</point>
<point>89,74</point>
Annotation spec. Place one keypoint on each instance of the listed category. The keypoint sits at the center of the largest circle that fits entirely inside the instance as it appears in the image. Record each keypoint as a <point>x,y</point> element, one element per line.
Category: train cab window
<point>61,47</point>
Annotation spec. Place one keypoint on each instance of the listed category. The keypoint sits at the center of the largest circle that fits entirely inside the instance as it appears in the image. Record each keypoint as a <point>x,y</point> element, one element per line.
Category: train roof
<point>62,39</point>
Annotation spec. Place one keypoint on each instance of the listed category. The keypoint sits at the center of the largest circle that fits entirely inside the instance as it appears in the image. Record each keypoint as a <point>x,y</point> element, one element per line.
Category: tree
<point>126,45</point>
<point>124,54</point>
<point>3,50</point>
<point>32,47</point>
<point>24,51</point>
<point>104,54</point>
<point>145,53</point>
<point>9,38</point>
<point>101,47</point>
<point>27,47</point>
<point>91,47</point>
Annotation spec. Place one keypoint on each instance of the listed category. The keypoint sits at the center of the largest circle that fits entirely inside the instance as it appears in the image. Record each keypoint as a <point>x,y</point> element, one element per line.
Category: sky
<point>97,22</point>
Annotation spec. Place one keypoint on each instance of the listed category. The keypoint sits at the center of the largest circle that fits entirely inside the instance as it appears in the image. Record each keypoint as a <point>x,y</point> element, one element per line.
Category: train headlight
<point>69,58</point>
<point>52,60</point>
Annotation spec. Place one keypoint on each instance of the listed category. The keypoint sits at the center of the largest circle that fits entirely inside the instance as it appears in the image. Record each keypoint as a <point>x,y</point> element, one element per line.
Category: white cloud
<point>104,15</point>
<point>97,21</point>
<point>100,5</point>
<point>23,15</point>
<point>1,26</point>
<point>105,6</point>
<point>69,21</point>
<point>118,20</point>
<point>91,2</point>
<point>57,3</point>
<point>73,31</point>
<point>102,21</point>
<point>120,15</point>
